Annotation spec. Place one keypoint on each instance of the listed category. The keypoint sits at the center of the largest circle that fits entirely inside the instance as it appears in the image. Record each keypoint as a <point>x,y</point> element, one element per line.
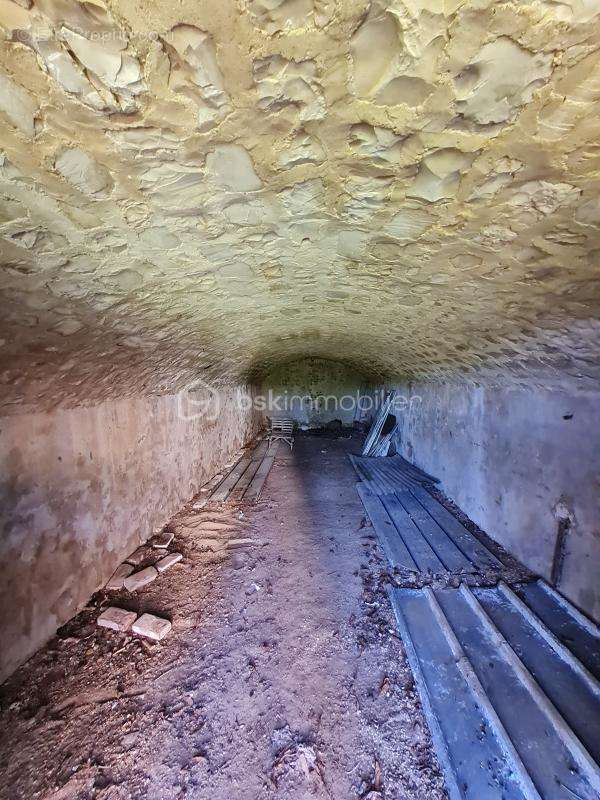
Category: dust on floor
<point>283,676</point>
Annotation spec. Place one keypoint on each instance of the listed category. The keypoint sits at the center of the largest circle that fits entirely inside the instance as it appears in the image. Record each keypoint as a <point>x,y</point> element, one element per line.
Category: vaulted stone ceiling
<point>214,187</point>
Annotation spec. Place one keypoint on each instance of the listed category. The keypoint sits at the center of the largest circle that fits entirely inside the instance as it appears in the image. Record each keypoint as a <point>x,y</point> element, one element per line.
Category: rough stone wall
<point>82,488</point>
<point>519,463</point>
<point>224,184</point>
<point>314,392</point>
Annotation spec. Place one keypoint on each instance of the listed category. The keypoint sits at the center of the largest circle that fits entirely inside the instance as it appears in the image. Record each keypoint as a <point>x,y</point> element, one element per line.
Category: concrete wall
<point>81,488</point>
<point>517,461</point>
<point>314,392</point>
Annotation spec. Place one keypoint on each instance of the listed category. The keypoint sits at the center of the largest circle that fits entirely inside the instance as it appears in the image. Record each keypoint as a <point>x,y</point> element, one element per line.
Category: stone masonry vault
<point>217,187</point>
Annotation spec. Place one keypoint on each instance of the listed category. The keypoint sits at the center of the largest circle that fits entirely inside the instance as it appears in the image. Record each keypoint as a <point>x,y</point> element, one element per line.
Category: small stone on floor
<point>168,561</point>
<point>162,540</point>
<point>232,544</point>
<point>152,627</point>
<point>116,581</point>
<point>117,619</point>
<point>139,579</point>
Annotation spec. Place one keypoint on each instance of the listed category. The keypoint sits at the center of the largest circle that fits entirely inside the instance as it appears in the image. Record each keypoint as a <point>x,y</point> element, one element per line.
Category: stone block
<point>152,627</point>
<point>162,540</point>
<point>116,581</point>
<point>233,544</point>
<point>117,619</point>
<point>139,579</point>
<point>168,561</point>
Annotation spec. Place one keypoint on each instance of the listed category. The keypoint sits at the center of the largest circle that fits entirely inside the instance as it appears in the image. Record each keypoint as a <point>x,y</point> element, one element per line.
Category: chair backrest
<point>283,425</point>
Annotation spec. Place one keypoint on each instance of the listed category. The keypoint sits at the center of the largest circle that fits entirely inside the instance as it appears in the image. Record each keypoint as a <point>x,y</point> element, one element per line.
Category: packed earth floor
<point>283,676</point>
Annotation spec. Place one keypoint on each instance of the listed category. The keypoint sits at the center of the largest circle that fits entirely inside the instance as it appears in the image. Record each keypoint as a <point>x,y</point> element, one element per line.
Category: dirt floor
<point>283,676</point>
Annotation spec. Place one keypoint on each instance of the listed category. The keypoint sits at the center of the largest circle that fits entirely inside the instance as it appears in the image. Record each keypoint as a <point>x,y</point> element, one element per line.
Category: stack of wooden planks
<point>246,479</point>
<point>507,671</point>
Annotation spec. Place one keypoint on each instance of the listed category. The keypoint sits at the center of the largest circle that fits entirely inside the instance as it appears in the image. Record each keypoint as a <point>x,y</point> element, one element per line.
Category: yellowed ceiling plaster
<point>214,187</point>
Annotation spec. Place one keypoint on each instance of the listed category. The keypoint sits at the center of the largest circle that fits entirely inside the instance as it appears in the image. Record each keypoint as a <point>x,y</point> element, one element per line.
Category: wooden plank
<point>474,749</point>
<point>566,623</point>
<point>254,489</point>
<point>396,551</point>
<point>440,542</point>
<point>394,478</point>
<point>558,758</point>
<point>378,479</point>
<point>405,478</point>
<point>462,538</point>
<point>419,548</point>
<point>403,464</point>
<point>224,488</point>
<point>220,494</point>
<point>370,472</point>
<point>244,480</point>
<point>373,435</point>
<point>383,473</point>
<point>260,450</point>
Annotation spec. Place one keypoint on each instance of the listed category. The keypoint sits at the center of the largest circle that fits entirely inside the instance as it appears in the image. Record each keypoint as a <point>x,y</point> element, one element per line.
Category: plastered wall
<point>81,488</point>
<point>517,462</point>
<point>315,391</point>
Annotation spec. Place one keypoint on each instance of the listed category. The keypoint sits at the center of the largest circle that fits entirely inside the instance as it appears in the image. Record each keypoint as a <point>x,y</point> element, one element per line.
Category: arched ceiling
<point>214,187</point>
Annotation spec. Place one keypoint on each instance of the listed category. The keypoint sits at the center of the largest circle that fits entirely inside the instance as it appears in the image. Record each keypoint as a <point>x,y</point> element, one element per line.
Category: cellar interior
<point>215,215</point>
